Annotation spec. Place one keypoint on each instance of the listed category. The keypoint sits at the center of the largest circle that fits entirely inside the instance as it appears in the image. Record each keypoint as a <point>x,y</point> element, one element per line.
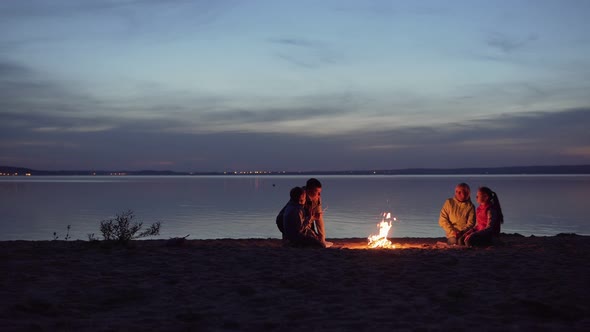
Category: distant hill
<point>24,171</point>
<point>558,169</point>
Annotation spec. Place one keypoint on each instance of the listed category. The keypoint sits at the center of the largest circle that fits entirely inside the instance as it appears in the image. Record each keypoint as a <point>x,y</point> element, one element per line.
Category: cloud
<point>579,151</point>
<point>305,53</point>
<point>517,139</point>
<point>270,115</point>
<point>520,139</point>
<point>389,9</point>
<point>297,42</point>
<point>32,103</point>
<point>50,124</point>
<point>508,44</point>
<point>68,8</point>
<point>19,144</point>
<point>12,70</point>
<point>105,20</point>
<point>23,90</point>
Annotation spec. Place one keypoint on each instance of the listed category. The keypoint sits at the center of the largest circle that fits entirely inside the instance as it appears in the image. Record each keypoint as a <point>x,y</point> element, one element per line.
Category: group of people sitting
<point>464,224</point>
<point>301,220</point>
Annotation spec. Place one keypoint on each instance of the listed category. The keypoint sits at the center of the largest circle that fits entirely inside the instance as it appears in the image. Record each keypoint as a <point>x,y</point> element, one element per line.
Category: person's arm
<point>319,222</point>
<point>297,225</point>
<point>445,222</point>
<point>293,221</point>
<point>280,219</point>
<point>467,234</point>
<point>493,222</point>
<point>304,223</point>
<point>471,217</point>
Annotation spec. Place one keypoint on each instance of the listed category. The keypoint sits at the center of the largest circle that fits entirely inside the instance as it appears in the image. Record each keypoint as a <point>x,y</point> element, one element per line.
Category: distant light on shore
<point>253,172</point>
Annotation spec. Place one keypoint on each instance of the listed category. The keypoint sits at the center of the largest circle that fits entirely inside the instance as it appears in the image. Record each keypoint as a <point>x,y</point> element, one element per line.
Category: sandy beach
<point>524,284</point>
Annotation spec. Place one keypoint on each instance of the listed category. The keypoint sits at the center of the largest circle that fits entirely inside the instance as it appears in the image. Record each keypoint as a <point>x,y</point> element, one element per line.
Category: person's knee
<point>478,241</point>
<point>461,241</point>
<point>452,240</point>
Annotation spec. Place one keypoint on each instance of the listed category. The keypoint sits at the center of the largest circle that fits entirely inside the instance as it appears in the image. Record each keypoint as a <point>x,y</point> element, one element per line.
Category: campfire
<point>380,240</point>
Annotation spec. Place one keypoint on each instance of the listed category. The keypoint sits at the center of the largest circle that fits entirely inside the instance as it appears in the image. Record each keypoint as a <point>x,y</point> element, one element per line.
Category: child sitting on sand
<point>457,215</point>
<point>489,217</point>
<point>297,225</point>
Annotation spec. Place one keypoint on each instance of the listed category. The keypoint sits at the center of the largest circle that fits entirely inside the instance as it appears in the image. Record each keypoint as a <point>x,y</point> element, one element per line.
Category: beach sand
<point>524,284</point>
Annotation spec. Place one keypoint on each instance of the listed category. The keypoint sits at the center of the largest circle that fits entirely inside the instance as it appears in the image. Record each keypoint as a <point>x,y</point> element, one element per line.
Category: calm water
<point>32,208</point>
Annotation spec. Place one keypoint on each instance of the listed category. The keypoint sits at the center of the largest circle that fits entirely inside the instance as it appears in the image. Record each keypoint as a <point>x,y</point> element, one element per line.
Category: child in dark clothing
<point>298,228</point>
<point>489,217</point>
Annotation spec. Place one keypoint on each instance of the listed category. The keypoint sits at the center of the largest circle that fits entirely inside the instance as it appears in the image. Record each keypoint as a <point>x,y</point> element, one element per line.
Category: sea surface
<point>212,207</point>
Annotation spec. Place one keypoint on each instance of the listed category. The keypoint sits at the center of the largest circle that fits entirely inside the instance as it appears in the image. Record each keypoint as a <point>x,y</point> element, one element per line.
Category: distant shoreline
<point>511,170</point>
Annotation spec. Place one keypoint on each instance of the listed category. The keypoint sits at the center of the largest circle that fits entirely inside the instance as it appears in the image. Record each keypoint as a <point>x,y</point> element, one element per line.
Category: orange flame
<point>380,240</point>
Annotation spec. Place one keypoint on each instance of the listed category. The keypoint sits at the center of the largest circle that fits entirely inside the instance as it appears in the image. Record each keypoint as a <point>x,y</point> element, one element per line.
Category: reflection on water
<point>33,208</point>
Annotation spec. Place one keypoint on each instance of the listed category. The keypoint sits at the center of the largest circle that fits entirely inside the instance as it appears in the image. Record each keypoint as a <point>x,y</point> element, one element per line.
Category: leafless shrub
<point>122,228</point>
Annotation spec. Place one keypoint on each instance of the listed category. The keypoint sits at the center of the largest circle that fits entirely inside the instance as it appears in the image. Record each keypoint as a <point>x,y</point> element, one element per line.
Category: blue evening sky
<point>293,85</point>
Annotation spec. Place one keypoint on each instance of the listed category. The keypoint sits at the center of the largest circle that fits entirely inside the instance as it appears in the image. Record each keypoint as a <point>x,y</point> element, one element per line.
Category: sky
<point>293,85</point>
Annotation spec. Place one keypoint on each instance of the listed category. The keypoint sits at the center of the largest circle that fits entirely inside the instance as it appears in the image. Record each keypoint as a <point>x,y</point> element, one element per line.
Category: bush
<point>67,237</point>
<point>123,229</point>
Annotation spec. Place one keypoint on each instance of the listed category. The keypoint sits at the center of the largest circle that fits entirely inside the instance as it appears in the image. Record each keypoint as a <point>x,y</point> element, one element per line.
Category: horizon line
<point>585,168</point>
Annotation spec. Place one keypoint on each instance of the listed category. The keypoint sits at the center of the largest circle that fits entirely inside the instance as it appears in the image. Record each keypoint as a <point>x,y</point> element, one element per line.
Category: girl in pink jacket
<point>488,219</point>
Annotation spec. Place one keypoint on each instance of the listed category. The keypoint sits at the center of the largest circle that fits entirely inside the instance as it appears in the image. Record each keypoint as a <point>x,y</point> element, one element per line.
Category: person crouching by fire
<point>457,215</point>
<point>297,225</point>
